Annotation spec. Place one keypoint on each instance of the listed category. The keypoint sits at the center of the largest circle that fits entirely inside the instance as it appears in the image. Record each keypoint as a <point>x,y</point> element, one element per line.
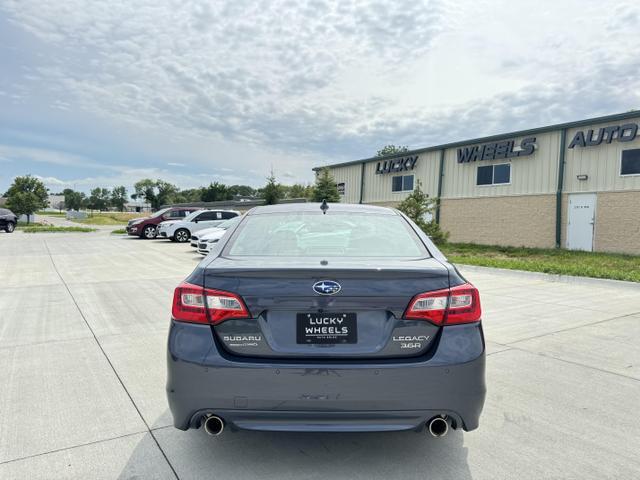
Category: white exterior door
<point>582,217</point>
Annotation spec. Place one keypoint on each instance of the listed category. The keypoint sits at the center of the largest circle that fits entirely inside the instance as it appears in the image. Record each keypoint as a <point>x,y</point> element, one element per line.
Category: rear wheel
<point>10,227</point>
<point>181,235</point>
<point>150,232</point>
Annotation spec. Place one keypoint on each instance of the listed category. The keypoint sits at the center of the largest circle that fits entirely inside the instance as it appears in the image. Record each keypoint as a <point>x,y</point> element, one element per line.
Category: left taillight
<point>451,306</point>
<point>195,304</point>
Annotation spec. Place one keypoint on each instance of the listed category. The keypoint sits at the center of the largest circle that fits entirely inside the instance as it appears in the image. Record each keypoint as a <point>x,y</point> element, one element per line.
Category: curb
<point>554,277</point>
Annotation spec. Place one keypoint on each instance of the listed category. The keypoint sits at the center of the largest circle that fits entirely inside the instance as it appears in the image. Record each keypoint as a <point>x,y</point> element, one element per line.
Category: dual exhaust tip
<point>437,426</point>
<point>213,425</point>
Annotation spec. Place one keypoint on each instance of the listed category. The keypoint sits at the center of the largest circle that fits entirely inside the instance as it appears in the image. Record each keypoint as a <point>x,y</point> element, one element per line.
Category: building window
<point>494,174</point>
<point>341,188</point>
<point>402,183</point>
<point>630,163</point>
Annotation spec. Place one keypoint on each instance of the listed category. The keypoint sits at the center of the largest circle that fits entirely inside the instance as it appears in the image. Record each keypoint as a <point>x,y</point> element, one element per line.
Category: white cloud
<point>262,72</point>
<point>41,155</point>
<point>243,85</point>
<point>52,181</point>
<point>129,176</point>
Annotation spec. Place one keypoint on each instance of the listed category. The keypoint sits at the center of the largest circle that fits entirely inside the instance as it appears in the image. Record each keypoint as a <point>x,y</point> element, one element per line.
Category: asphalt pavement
<point>83,326</point>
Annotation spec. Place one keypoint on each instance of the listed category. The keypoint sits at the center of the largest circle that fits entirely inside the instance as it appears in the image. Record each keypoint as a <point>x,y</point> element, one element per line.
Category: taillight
<point>204,305</point>
<point>450,306</point>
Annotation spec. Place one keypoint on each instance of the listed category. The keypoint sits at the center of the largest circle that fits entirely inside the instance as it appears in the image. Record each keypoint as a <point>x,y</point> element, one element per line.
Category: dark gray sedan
<point>338,318</point>
<point>8,220</point>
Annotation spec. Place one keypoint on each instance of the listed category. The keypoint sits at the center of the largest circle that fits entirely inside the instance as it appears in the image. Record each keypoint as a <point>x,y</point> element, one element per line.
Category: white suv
<point>180,231</point>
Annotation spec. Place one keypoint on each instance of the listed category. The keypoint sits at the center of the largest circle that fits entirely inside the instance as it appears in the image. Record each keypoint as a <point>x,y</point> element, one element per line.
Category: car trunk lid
<point>291,319</point>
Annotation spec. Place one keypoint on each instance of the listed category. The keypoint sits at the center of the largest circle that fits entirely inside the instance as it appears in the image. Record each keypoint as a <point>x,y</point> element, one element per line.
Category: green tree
<point>166,192</point>
<point>297,190</point>
<point>242,190</point>
<point>118,198</point>
<point>156,192</point>
<point>99,198</point>
<point>73,200</point>
<point>391,149</point>
<point>216,192</point>
<point>418,206</point>
<point>325,187</point>
<point>26,195</point>
<point>189,195</point>
<point>272,191</point>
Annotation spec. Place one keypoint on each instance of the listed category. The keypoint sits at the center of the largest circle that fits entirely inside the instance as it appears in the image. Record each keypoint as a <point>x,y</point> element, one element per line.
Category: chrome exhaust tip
<point>438,427</point>
<point>213,425</point>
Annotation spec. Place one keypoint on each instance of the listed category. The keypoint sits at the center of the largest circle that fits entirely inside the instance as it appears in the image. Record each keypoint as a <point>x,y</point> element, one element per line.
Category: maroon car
<point>147,227</point>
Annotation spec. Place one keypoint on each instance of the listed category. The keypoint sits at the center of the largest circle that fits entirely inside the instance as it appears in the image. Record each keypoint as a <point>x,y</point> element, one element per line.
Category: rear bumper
<point>319,421</point>
<point>371,395</point>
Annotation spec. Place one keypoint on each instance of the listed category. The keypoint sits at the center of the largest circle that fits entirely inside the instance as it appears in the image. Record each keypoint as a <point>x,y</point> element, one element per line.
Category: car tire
<point>10,227</point>
<point>182,235</point>
<point>149,232</point>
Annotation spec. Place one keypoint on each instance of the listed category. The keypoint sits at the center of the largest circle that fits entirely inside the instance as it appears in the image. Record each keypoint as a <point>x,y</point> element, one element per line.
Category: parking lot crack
<point>572,362</point>
<point>569,329</point>
<point>115,372</point>
<point>73,447</point>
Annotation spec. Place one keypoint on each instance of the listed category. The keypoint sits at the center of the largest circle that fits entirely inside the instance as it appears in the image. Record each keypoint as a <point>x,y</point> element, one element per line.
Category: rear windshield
<point>333,235</point>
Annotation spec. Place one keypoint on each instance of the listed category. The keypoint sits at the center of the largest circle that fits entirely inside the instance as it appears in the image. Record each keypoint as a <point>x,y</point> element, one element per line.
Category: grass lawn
<point>53,214</point>
<point>120,231</point>
<point>566,262</point>
<point>39,227</point>
<point>108,218</point>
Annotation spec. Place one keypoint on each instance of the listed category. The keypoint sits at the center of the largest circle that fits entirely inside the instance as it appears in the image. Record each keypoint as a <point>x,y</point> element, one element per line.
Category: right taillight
<point>204,305</point>
<point>451,306</point>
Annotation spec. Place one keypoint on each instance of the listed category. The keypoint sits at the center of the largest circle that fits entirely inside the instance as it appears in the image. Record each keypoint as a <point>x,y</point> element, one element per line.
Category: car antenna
<point>324,207</point>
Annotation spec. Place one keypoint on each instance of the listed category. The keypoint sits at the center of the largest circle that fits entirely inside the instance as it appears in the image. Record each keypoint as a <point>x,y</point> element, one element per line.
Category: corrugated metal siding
<point>350,176</point>
<point>601,163</point>
<point>530,175</point>
<point>377,187</point>
<point>533,174</point>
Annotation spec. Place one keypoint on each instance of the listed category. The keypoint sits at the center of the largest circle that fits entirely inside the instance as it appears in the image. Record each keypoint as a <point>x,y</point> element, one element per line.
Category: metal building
<point>574,185</point>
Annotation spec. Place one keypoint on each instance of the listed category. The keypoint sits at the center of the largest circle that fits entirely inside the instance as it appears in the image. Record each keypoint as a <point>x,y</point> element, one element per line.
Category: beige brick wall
<point>525,220</point>
<point>617,222</point>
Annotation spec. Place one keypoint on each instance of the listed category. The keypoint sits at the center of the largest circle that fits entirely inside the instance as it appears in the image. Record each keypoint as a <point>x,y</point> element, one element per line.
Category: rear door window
<point>206,216</point>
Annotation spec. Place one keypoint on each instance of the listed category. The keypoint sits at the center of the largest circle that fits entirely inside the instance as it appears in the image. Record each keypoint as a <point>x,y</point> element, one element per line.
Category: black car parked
<point>8,220</point>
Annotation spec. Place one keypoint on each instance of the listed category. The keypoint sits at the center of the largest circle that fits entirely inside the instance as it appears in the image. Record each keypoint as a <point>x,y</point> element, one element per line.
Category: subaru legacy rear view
<point>335,317</point>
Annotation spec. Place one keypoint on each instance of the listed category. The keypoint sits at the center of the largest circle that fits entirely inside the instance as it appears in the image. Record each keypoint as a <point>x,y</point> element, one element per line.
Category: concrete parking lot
<point>83,323</point>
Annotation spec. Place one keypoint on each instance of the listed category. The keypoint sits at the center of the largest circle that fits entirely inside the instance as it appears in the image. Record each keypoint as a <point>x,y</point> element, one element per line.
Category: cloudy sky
<point>105,93</point>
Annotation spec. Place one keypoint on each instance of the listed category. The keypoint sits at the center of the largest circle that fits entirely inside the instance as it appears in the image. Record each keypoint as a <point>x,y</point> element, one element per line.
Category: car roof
<point>315,207</point>
<point>205,209</point>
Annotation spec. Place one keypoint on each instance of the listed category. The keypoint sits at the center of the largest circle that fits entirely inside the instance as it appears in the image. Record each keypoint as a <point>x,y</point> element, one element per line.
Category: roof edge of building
<point>518,133</point>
